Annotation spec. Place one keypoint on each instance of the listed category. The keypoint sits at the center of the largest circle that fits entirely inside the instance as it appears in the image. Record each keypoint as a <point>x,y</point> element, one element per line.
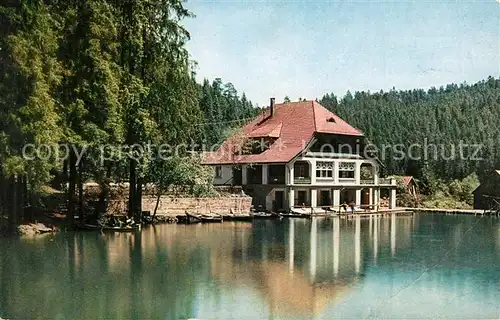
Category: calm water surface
<point>422,266</point>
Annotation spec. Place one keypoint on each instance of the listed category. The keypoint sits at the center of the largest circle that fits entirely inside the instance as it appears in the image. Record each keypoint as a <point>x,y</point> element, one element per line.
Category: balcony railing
<point>302,180</point>
<point>367,181</point>
<point>384,181</point>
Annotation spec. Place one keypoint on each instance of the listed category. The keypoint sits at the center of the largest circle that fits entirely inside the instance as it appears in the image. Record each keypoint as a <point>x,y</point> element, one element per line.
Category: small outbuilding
<point>411,187</point>
<point>487,195</point>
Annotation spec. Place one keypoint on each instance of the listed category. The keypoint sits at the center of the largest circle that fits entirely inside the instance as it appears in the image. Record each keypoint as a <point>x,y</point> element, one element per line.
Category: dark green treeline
<point>436,120</point>
<point>85,74</point>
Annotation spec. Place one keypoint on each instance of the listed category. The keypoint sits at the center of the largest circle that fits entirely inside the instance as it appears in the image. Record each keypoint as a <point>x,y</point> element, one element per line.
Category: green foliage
<point>224,111</point>
<point>33,74</point>
<point>181,175</point>
<point>444,116</point>
<point>453,194</point>
<point>94,73</point>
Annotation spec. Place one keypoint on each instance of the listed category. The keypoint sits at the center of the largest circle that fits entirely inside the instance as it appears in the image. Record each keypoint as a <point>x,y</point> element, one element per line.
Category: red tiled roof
<point>266,131</point>
<point>293,125</point>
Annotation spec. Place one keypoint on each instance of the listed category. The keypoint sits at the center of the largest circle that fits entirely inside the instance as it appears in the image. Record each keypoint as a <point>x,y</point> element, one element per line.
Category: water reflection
<point>375,238</point>
<point>291,244</point>
<point>269,269</point>
<point>314,247</point>
<point>357,244</point>
<point>336,245</point>
<point>393,234</point>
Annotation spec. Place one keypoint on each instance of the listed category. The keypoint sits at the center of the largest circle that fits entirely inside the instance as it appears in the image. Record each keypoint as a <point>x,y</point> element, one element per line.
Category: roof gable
<point>292,126</point>
<point>328,122</point>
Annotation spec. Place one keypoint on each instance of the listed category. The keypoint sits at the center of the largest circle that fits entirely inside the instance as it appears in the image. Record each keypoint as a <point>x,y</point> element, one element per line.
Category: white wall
<point>227,175</point>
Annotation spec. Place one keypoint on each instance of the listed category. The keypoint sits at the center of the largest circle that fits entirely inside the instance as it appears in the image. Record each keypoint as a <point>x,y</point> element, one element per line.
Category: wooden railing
<point>367,181</point>
<point>384,181</point>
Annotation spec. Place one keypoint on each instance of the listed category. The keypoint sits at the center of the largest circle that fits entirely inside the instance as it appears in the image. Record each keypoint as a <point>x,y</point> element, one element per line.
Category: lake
<point>423,266</point>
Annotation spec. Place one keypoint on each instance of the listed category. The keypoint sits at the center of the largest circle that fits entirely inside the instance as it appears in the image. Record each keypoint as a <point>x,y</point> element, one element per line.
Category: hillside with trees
<point>436,122</point>
<point>441,117</point>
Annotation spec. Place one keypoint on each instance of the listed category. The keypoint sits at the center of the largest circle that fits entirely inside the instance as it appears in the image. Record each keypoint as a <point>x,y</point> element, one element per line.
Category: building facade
<point>298,155</point>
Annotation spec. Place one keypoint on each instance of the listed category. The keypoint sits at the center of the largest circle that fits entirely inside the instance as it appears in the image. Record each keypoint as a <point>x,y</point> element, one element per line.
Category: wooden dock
<point>476,212</point>
<point>411,211</point>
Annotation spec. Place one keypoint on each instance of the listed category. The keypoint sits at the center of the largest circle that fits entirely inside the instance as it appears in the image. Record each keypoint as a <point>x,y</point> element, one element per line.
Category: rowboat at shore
<point>237,217</point>
<point>265,215</point>
<point>196,218</point>
<point>296,215</point>
<point>107,228</point>
<point>211,218</point>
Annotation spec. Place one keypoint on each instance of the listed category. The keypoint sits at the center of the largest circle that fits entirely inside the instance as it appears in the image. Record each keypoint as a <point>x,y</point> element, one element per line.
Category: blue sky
<point>308,48</point>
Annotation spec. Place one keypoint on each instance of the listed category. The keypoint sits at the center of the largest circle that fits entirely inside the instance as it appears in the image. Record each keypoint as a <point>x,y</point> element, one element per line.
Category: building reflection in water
<point>375,238</point>
<point>297,266</point>
<point>393,234</point>
<point>292,277</point>
<point>291,244</point>
<point>313,248</point>
<point>357,244</point>
<point>336,245</point>
<point>370,226</point>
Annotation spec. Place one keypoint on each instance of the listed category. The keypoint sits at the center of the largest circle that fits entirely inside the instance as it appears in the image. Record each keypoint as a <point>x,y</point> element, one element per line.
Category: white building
<point>301,155</point>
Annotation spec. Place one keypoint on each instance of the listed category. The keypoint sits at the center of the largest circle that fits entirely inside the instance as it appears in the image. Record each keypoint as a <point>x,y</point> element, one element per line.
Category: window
<point>324,170</point>
<point>346,170</point>
<point>301,169</point>
<point>218,171</point>
<point>300,198</point>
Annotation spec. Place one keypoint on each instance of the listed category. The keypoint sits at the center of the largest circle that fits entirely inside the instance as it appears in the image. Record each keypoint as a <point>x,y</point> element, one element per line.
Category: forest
<point>454,131</point>
<point>441,117</point>
<point>87,74</point>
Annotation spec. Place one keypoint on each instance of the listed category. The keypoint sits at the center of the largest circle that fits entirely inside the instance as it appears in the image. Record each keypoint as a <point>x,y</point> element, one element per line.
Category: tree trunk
<point>13,210</point>
<point>156,208</point>
<point>104,193</point>
<point>21,194</point>
<point>33,205</point>
<point>138,201</point>
<point>3,195</point>
<point>71,189</point>
<point>80,190</point>
<point>132,189</point>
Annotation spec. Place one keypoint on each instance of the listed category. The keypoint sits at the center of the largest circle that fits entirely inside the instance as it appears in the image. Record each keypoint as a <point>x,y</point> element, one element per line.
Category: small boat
<point>265,215</point>
<point>237,217</point>
<point>87,227</point>
<point>192,218</point>
<point>182,218</point>
<point>210,218</point>
<point>107,228</point>
<point>121,229</point>
<point>296,215</point>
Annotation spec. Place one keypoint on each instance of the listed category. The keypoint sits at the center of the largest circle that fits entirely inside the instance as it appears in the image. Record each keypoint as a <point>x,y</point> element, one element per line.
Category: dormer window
<point>256,145</point>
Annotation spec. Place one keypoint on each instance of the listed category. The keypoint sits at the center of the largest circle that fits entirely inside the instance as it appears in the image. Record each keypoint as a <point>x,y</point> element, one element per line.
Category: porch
<point>359,198</point>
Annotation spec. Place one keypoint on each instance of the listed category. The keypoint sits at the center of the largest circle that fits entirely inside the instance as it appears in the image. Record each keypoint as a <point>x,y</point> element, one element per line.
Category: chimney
<point>271,107</point>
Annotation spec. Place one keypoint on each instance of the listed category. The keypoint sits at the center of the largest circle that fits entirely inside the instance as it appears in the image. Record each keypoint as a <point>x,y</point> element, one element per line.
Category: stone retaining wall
<point>173,206</point>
